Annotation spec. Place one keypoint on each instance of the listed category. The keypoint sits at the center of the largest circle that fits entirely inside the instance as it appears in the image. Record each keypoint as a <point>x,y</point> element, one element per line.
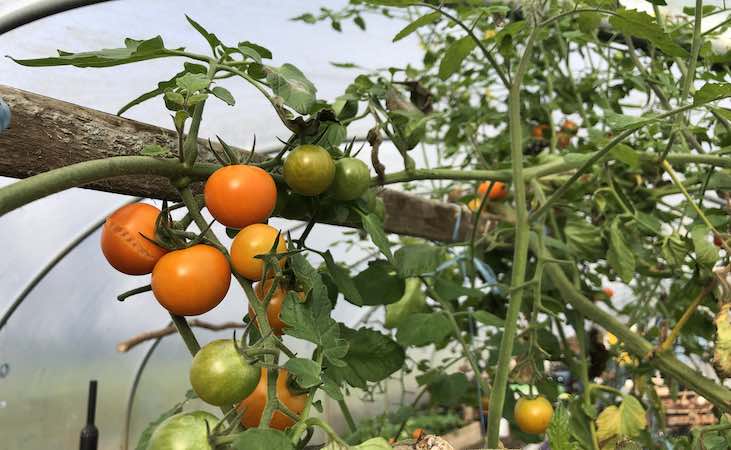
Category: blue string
<point>4,115</point>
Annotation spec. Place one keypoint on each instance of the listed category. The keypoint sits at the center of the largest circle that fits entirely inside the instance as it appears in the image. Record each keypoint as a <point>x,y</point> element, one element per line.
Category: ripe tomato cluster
<point>566,131</point>
<point>493,190</point>
<point>192,279</point>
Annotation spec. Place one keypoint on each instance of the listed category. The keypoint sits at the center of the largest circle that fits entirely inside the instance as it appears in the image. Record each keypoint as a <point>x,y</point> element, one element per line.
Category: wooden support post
<point>47,134</point>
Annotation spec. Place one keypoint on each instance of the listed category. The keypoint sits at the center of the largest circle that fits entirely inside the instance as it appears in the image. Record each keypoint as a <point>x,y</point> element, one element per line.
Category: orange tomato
<point>124,242</point>
<point>274,308</point>
<point>254,404</point>
<point>539,131</point>
<point>191,281</point>
<point>608,291</point>
<point>533,415</point>
<point>240,195</point>
<point>498,192</point>
<point>569,126</point>
<point>256,239</point>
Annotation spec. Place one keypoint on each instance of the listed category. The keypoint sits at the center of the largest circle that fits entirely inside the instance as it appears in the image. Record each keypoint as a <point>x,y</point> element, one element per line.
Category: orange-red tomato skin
<point>498,192</point>
<point>255,402</point>
<point>124,239</point>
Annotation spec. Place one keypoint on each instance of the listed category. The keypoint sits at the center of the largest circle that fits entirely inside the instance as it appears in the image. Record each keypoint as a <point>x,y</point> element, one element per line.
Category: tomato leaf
<point>584,239</point>
<point>310,320</point>
<point>341,277</point>
<point>620,256</point>
<point>291,84</point>
<point>488,319</point>
<point>133,51</point>
<point>331,387</point>
<point>559,430</point>
<point>706,253</point>
<point>254,51</point>
<point>307,276</point>
<point>627,420</point>
<point>711,92</point>
<point>223,94</point>
<point>626,154</point>
<point>449,290</point>
<point>211,38</point>
<point>644,26</point>
<point>423,329</point>
<point>305,371</point>
<point>192,82</point>
<point>418,259</point>
<point>162,86</point>
<point>449,390</point>
<point>373,225</point>
<point>454,55</point>
<point>416,24</point>
<point>262,439</point>
<point>371,357</point>
<point>621,122</point>
<point>379,284</point>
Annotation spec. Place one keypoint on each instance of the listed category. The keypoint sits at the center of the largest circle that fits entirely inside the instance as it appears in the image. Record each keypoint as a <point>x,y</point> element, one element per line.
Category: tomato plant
<point>611,128</point>
<point>127,239</point>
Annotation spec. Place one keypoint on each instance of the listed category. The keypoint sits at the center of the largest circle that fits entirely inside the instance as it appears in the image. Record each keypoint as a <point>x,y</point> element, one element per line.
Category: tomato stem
<point>520,255</point>
<point>186,333</point>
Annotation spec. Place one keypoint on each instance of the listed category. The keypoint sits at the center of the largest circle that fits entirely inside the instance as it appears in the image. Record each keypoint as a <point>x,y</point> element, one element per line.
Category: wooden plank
<point>47,133</point>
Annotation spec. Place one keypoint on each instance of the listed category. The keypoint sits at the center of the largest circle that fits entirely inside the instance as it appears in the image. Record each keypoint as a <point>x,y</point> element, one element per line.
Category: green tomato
<point>309,170</point>
<point>220,375</point>
<point>184,431</point>
<point>352,179</point>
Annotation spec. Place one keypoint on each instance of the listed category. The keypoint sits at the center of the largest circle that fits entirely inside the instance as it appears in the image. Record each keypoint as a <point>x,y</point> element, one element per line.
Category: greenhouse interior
<point>365,224</point>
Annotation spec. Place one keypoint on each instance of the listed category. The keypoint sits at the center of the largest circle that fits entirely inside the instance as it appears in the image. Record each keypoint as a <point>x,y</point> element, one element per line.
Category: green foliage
<point>625,421</point>
<point>371,357</point>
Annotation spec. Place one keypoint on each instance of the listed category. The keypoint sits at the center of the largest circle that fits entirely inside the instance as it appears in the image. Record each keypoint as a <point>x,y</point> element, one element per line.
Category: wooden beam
<point>46,134</point>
